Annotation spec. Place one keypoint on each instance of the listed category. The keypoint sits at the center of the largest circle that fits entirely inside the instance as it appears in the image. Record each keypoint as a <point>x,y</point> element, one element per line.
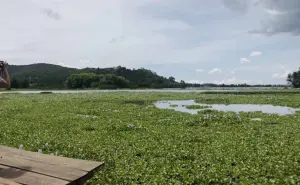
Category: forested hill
<point>43,75</point>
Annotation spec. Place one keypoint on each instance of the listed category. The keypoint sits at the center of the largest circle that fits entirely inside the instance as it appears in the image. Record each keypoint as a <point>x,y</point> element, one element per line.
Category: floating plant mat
<point>184,106</point>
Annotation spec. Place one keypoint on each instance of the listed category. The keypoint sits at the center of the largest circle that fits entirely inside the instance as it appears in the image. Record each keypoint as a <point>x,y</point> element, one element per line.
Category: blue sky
<point>219,41</point>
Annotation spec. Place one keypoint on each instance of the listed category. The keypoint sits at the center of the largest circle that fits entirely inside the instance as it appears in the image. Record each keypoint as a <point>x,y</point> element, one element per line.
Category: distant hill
<point>42,75</point>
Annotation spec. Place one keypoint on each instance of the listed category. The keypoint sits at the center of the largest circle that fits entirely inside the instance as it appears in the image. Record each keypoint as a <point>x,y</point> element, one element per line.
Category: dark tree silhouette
<point>294,79</point>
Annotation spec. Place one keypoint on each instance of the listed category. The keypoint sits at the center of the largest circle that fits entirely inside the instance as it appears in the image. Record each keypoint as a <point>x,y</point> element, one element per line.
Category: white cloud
<point>106,33</point>
<point>215,70</point>
<point>256,53</point>
<point>282,66</point>
<point>199,70</point>
<point>284,71</point>
<point>232,71</point>
<point>274,12</point>
<point>252,54</point>
<point>195,82</point>
<point>281,75</point>
<point>232,80</point>
<point>63,64</point>
<point>244,60</point>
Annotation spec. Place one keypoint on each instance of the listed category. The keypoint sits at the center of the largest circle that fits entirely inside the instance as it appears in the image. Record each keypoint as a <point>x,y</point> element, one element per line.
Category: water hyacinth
<point>131,125</point>
<point>142,144</point>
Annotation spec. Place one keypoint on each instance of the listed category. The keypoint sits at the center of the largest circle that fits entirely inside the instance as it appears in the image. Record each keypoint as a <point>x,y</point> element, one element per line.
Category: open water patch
<point>182,107</point>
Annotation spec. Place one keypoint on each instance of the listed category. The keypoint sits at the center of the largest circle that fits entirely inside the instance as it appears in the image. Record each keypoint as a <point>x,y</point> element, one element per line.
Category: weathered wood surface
<point>26,167</point>
<point>7,182</point>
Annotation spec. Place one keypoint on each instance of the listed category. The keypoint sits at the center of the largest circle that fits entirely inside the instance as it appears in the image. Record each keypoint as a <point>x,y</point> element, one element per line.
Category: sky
<point>198,41</point>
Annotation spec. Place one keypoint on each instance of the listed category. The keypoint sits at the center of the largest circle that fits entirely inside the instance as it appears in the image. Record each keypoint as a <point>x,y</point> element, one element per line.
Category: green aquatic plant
<point>197,106</point>
<point>142,144</point>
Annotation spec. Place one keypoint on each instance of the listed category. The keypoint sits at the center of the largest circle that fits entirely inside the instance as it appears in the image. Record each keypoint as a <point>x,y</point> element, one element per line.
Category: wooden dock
<point>32,168</point>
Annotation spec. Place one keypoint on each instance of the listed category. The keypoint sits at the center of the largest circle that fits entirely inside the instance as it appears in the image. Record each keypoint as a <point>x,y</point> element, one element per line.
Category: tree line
<point>108,81</point>
<point>92,80</point>
<point>232,85</point>
<point>19,83</point>
<point>49,76</point>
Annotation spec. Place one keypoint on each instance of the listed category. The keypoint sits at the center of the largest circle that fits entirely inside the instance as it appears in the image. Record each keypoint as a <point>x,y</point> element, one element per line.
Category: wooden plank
<point>72,171</point>
<point>26,177</point>
<point>84,165</point>
<point>82,180</point>
<point>7,182</point>
<point>61,172</point>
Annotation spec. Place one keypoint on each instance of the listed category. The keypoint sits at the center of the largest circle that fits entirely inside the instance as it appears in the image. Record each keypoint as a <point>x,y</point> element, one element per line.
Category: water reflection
<point>268,109</point>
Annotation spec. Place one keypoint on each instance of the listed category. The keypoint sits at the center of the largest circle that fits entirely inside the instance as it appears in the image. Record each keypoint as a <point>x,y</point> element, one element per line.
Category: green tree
<point>25,84</point>
<point>88,80</point>
<point>14,83</point>
<point>294,79</point>
<point>182,84</point>
<point>171,79</point>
